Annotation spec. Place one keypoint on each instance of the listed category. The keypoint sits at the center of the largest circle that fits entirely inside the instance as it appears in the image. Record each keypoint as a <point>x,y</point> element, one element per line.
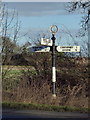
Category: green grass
<point>11,79</point>
<point>15,105</point>
<point>13,72</point>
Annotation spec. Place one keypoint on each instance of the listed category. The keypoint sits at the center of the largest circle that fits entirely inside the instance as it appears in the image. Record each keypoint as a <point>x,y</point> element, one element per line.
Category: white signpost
<point>68,48</point>
<point>51,43</point>
<point>46,44</point>
<point>45,41</point>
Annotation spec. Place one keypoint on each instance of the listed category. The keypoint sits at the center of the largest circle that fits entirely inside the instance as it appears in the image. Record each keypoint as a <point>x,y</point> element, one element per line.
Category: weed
<point>15,105</point>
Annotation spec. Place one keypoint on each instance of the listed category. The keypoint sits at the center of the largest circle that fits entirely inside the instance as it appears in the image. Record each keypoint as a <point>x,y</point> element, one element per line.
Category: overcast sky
<point>38,8</point>
<point>41,0</point>
<point>35,0</point>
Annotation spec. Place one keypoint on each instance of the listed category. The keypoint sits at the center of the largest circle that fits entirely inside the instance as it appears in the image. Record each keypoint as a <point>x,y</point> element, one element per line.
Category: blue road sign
<point>39,49</point>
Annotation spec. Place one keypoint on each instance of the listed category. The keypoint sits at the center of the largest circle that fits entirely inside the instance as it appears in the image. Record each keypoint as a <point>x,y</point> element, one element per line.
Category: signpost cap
<point>53,29</point>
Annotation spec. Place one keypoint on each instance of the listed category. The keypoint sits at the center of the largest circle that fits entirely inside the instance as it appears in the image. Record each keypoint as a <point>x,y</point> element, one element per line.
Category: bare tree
<point>8,34</point>
<point>79,4</point>
<point>84,6</point>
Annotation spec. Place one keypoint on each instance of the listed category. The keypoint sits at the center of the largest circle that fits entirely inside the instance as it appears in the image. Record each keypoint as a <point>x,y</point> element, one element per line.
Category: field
<point>22,84</point>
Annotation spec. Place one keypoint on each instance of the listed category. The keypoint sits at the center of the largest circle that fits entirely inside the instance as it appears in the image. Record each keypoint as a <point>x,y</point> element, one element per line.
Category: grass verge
<point>15,105</point>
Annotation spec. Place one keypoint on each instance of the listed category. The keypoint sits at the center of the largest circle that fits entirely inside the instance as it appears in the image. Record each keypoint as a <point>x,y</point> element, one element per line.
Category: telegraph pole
<point>53,29</point>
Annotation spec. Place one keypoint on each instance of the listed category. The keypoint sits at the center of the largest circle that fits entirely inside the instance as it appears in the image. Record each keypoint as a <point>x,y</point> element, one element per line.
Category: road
<point>12,114</point>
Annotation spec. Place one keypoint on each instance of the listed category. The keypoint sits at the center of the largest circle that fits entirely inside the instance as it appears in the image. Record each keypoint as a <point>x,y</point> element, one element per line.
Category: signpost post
<point>53,29</point>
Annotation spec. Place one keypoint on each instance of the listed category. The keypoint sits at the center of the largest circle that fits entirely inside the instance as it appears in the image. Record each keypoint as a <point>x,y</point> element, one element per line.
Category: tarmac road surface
<point>16,114</point>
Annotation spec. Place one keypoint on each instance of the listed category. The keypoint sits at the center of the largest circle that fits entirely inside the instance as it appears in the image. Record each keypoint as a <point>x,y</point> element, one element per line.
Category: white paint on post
<point>53,74</point>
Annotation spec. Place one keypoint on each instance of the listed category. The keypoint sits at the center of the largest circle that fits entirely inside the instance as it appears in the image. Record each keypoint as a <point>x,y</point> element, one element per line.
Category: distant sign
<point>45,41</point>
<point>40,49</point>
<point>68,48</point>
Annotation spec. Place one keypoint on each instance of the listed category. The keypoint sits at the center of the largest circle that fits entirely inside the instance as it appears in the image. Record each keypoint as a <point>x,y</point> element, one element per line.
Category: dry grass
<point>29,87</point>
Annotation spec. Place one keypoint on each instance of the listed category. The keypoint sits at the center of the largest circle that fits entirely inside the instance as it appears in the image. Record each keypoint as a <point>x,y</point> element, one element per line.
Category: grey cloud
<point>37,8</point>
<point>36,0</point>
